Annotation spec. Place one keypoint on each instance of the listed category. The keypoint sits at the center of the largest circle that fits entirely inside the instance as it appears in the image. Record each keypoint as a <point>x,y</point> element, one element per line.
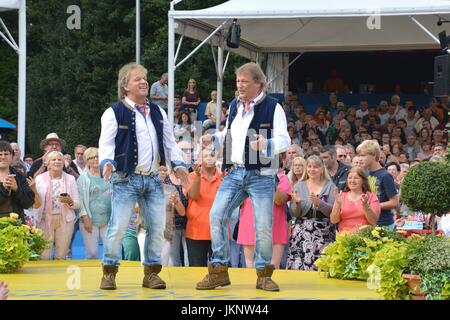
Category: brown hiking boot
<point>109,277</point>
<point>151,278</point>
<point>264,281</point>
<point>217,277</point>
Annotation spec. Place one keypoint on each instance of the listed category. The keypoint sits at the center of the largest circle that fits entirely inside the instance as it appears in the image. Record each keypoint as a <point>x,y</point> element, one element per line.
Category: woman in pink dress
<point>356,206</point>
<point>246,232</point>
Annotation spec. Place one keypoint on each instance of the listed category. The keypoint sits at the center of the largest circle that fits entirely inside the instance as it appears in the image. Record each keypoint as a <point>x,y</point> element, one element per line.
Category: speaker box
<point>441,76</point>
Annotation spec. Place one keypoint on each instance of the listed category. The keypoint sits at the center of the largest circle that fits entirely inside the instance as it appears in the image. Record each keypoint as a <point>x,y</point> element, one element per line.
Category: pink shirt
<point>246,231</point>
<point>352,214</point>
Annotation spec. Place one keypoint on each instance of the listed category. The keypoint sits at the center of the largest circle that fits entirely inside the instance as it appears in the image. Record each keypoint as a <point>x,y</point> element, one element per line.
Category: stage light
<point>444,40</point>
<point>234,35</point>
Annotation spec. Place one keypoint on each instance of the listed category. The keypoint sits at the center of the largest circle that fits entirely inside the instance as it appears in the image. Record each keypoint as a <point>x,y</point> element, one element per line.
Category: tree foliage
<point>72,74</point>
<point>426,188</point>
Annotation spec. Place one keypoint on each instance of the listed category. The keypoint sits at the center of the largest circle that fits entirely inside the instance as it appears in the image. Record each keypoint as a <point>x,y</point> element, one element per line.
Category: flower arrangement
<point>351,254</point>
<point>19,243</point>
<point>383,257</point>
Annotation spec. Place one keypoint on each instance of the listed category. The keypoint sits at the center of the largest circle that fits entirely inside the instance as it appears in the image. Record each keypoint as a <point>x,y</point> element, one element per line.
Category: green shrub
<point>18,243</point>
<point>426,188</point>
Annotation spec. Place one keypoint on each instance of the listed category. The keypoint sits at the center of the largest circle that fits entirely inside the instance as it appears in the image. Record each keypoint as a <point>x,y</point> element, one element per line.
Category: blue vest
<point>262,123</point>
<point>126,152</point>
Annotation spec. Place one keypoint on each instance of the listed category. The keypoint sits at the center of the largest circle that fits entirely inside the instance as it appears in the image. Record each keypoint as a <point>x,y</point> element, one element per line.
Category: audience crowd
<point>324,181</point>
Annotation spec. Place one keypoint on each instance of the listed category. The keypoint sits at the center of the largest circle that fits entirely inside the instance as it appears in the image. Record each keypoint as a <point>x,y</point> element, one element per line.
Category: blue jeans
<point>237,185</point>
<point>126,191</point>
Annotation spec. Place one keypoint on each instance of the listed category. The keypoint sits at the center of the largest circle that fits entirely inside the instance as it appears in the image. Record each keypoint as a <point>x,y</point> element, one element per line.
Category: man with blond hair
<point>369,151</point>
<point>136,139</point>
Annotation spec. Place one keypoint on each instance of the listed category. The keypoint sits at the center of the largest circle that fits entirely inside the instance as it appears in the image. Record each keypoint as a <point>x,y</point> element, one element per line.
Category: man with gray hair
<point>254,136</point>
<point>294,151</point>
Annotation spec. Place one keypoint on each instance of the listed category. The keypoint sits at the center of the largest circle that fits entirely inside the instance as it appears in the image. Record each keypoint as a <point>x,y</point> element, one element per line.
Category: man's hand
<point>182,174</point>
<point>10,182</point>
<point>107,170</point>
<point>259,144</point>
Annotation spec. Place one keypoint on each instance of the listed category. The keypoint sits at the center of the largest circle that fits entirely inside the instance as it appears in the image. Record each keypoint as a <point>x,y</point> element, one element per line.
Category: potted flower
<point>426,188</point>
<point>418,269</point>
<point>19,243</point>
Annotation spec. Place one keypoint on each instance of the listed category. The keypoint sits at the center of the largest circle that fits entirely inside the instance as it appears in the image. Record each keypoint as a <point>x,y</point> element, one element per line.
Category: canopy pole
<point>138,31</point>
<point>219,82</point>
<point>22,75</point>
<point>287,67</point>
<point>178,48</point>
<point>421,26</point>
<point>201,44</point>
<point>171,67</point>
<point>10,40</point>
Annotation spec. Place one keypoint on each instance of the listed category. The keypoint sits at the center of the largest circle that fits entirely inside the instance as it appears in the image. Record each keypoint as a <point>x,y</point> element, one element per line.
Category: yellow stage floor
<point>80,280</point>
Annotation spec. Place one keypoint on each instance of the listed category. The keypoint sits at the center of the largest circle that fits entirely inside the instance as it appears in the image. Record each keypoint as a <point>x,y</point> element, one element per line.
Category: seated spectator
<point>210,111</point>
<point>95,204</point>
<point>424,135</point>
<point>56,216</point>
<point>363,109</point>
<point>184,130</point>
<point>425,152</point>
<point>297,170</point>
<point>427,116</point>
<point>438,137</point>
<point>412,147</point>
<point>357,205</point>
<point>15,193</point>
<point>293,135</point>
<point>190,99</point>
<point>334,83</point>
<point>293,152</point>
<point>176,116</point>
<point>439,150</point>
<point>394,170</point>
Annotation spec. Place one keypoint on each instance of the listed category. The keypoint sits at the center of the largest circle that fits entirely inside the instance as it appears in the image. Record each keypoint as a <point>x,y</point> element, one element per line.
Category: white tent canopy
<point>21,50</point>
<point>321,25</point>
<point>281,26</point>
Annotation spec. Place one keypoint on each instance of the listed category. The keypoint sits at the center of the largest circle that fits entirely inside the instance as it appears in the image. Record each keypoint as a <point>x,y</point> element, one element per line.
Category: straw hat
<point>52,137</point>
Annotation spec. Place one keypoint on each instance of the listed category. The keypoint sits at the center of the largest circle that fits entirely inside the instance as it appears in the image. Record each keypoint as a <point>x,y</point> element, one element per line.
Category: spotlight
<point>234,35</point>
<point>444,40</point>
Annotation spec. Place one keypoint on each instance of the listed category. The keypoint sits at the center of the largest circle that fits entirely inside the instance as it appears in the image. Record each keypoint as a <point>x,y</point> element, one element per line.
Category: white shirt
<point>146,136</point>
<point>239,127</point>
<point>80,171</point>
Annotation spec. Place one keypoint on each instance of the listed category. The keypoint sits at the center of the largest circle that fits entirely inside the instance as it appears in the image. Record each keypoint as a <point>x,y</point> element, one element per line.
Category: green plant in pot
<point>426,188</point>
<point>398,265</point>
<point>19,243</point>
<point>429,258</point>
